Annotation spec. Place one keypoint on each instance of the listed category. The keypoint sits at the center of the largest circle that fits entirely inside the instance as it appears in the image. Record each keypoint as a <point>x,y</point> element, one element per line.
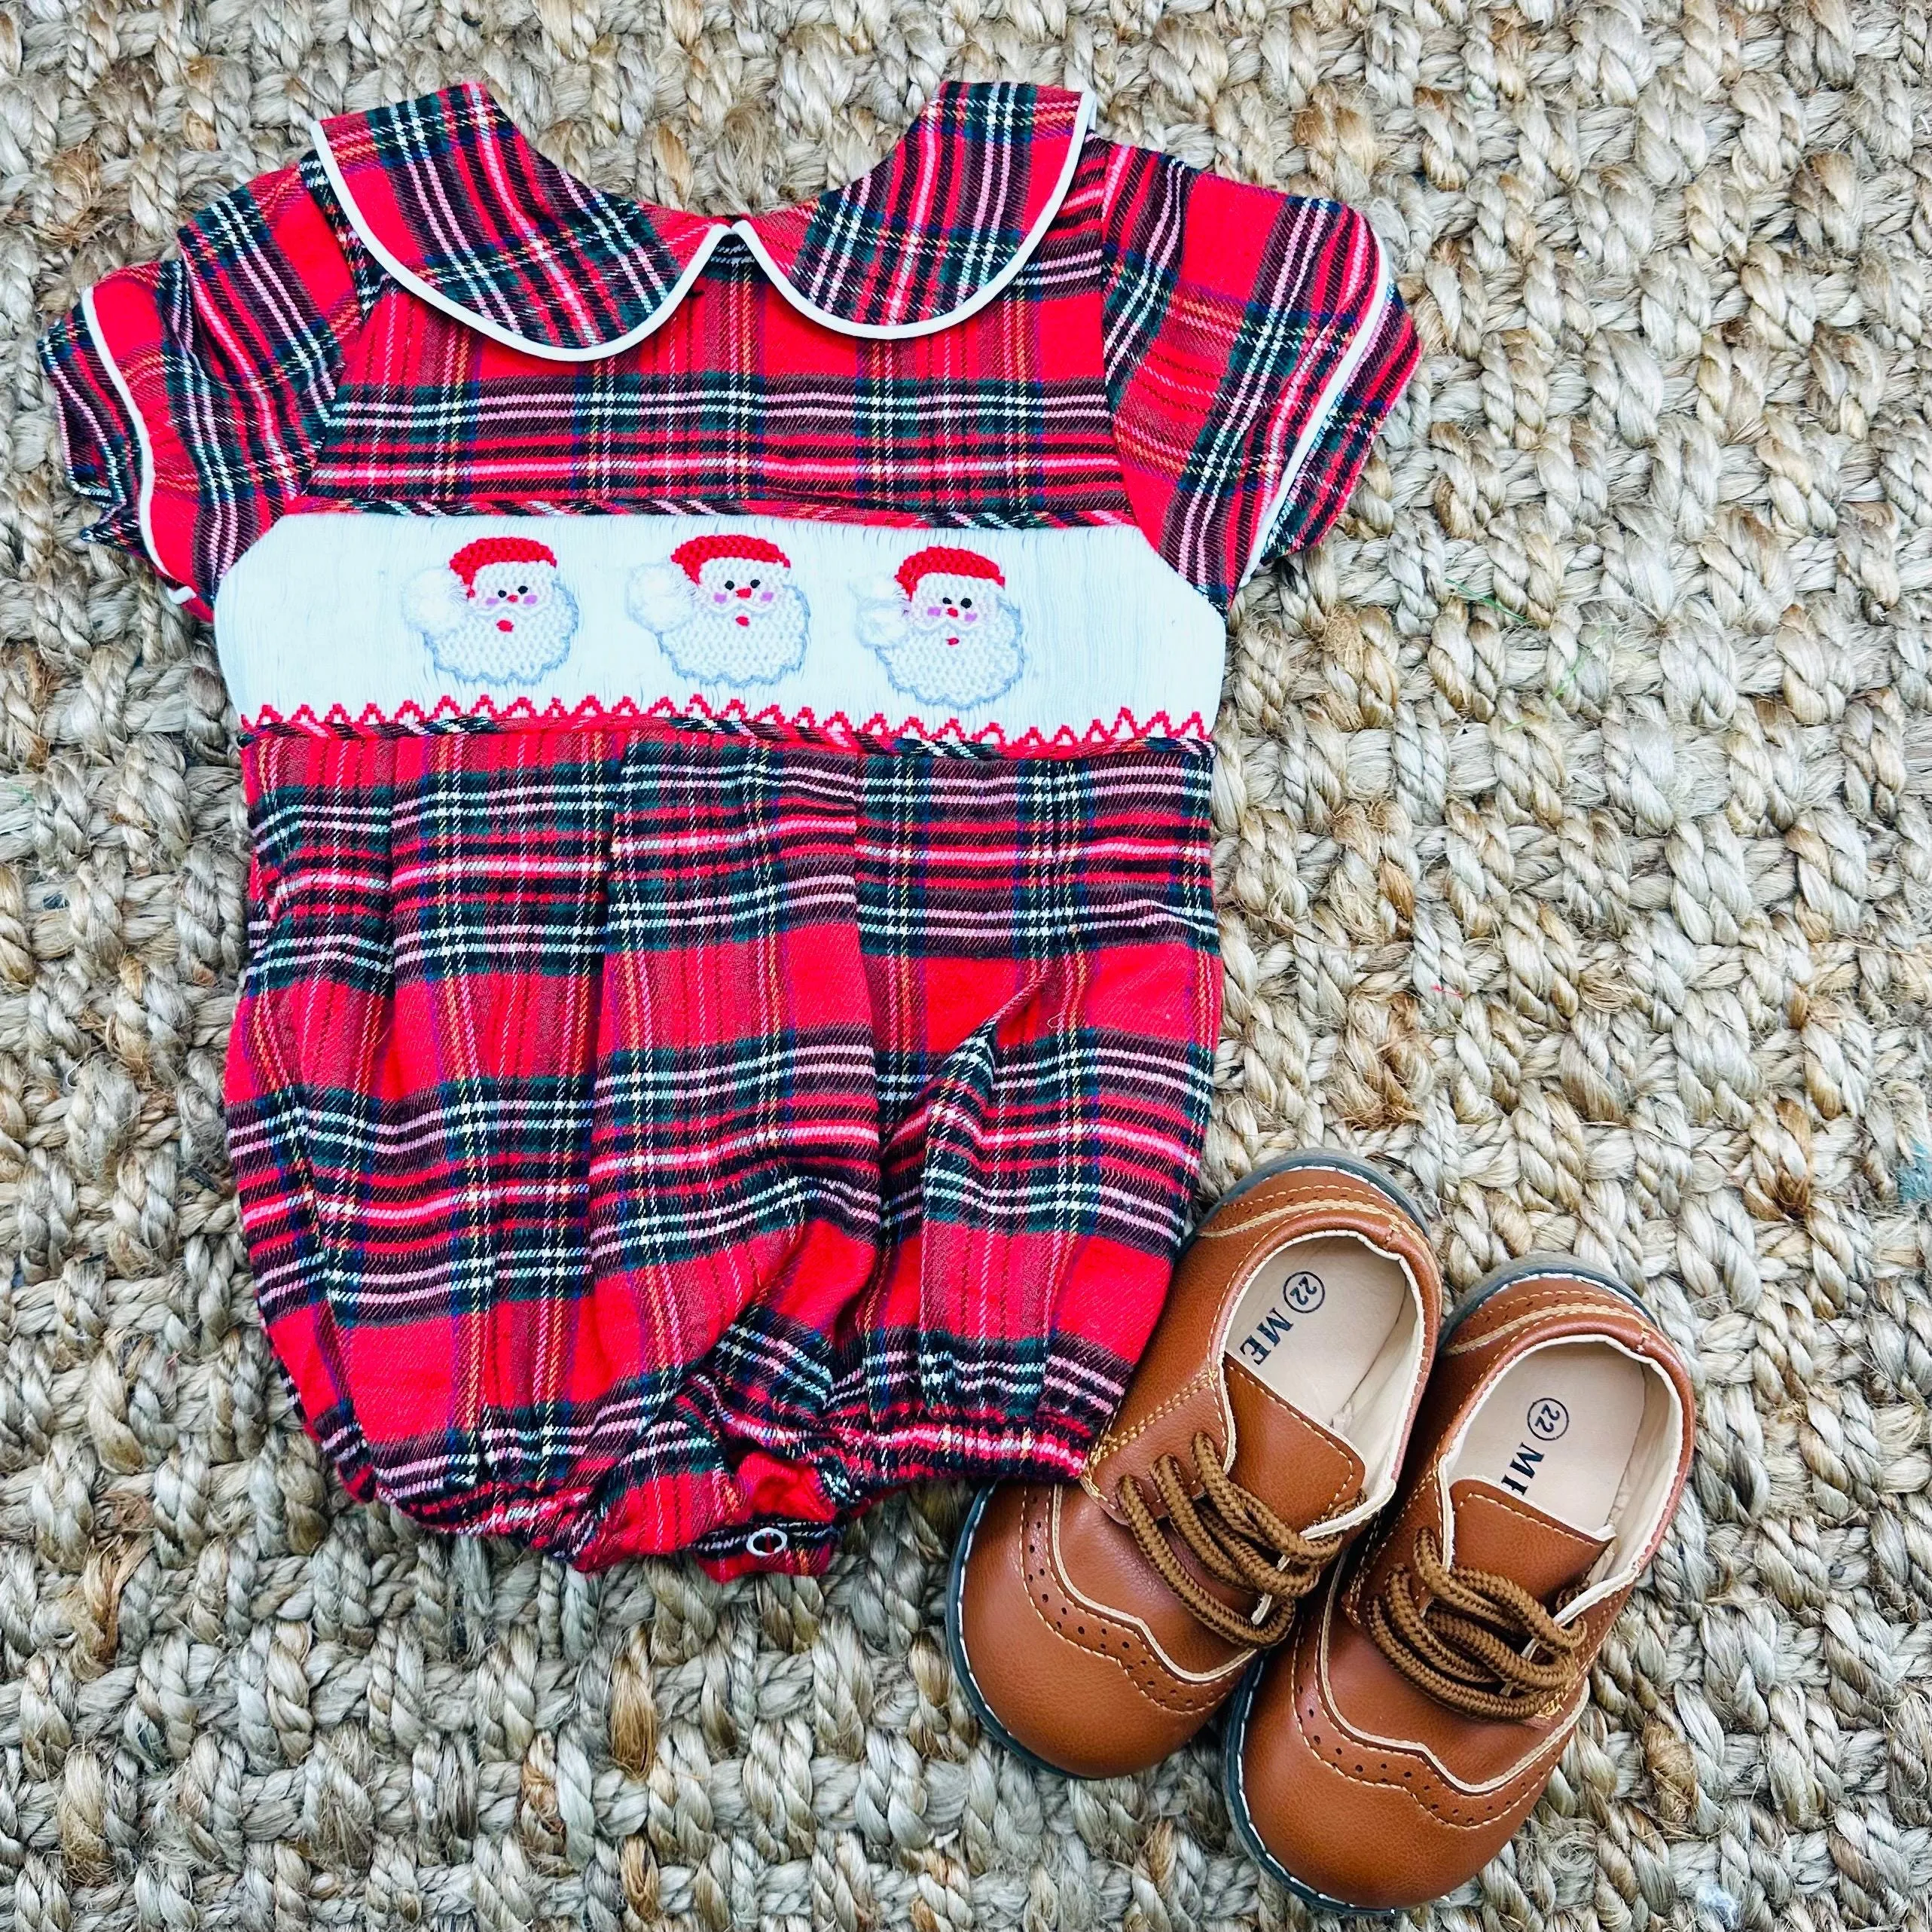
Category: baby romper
<point>725,712</point>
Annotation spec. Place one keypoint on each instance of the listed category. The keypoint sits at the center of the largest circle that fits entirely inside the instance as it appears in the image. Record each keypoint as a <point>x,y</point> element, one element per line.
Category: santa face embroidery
<point>497,613</point>
<point>724,609</point>
<point>944,627</point>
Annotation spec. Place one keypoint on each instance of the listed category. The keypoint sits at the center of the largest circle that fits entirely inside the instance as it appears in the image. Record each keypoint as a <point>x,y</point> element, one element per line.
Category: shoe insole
<point>1314,1321</point>
<point>1559,1430</point>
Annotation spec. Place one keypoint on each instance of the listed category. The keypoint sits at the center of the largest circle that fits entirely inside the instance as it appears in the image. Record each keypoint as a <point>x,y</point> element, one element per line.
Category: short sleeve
<point>1254,342</point>
<point>192,393</point>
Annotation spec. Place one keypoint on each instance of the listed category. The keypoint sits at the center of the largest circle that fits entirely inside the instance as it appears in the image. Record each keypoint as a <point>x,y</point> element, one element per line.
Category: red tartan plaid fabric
<point>1253,345</point>
<point>1208,359</point>
<point>193,393</point>
<point>948,213</point>
<point>653,1135</point>
<point>608,1106</point>
<point>447,188</point>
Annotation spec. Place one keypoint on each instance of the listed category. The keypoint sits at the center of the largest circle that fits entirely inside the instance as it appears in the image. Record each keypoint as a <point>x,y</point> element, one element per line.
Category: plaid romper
<point>725,712</point>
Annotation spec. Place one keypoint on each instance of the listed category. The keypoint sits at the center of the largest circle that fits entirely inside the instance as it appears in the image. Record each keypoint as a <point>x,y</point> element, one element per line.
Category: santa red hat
<point>692,557</point>
<point>944,559</point>
<point>487,550</point>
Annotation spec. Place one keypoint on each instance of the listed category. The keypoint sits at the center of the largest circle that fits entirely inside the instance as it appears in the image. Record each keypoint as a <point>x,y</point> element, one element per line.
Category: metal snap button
<point>769,1541</point>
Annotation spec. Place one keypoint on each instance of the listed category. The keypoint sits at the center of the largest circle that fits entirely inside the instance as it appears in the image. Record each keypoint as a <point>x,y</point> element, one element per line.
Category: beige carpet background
<point>1575,860</point>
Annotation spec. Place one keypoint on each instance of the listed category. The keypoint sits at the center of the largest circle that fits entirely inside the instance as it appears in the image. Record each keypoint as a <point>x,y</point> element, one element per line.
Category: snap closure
<point>768,1541</point>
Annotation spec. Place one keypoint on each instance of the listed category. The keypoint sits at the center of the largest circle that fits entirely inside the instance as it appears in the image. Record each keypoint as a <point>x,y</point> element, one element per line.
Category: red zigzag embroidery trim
<point>803,724</point>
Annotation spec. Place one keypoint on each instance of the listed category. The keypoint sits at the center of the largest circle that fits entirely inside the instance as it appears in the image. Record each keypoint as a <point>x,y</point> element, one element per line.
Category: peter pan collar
<point>459,207</point>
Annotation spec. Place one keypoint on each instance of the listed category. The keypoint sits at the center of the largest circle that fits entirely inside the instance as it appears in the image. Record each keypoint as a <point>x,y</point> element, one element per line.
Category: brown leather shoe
<point>1097,1627</point>
<point>1388,1750</point>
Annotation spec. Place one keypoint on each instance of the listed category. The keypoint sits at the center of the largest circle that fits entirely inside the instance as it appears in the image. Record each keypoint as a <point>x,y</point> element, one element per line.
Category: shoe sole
<point>1233,1782</point>
<point>1531,1265</point>
<point>1243,1821</point>
<point>956,1649</point>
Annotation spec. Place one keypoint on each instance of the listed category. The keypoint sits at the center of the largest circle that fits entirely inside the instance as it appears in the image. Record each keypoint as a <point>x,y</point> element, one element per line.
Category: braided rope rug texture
<point>1574,858</point>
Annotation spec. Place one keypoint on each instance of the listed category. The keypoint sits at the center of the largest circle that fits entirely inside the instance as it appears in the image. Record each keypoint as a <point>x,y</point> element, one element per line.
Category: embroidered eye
<point>731,583</point>
<point>755,583</point>
<point>523,590</point>
<point>966,603</point>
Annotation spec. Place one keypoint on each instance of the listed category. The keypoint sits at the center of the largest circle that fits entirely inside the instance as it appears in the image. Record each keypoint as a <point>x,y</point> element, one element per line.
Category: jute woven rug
<point>1575,860</point>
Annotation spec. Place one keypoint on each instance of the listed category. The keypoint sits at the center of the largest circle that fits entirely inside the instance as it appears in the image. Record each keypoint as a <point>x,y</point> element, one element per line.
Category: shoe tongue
<point>1511,1538</point>
<point>1302,1472</point>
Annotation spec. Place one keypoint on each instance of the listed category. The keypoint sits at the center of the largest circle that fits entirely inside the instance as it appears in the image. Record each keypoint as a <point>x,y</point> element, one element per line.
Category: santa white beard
<point>713,647</point>
<point>975,670</point>
<point>475,646</point>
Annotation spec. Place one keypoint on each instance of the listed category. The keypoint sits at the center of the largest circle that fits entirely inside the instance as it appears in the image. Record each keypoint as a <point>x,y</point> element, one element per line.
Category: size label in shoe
<point>1302,1294</point>
<point>1559,1430</point>
<point>1317,1316</point>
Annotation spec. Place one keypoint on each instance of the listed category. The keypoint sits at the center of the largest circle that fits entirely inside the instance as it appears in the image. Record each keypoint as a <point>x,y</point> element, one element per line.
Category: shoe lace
<point>1475,1641</point>
<point>1234,1536</point>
